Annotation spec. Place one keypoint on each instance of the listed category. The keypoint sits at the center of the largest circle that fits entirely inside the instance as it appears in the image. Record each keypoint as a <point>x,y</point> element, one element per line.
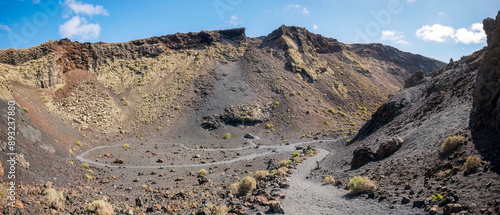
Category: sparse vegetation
<point>452,143</point>
<point>53,199</point>
<point>218,209</point>
<point>327,123</point>
<point>227,136</point>
<point>262,174</point>
<point>126,103</point>
<point>78,143</point>
<point>437,196</point>
<point>126,146</point>
<point>295,154</point>
<point>342,114</point>
<point>285,162</point>
<point>123,98</point>
<point>85,165</point>
<point>177,107</point>
<point>99,207</point>
<point>26,109</point>
<point>202,173</point>
<point>472,163</point>
<point>89,177</point>
<point>269,126</point>
<point>245,186</point>
<point>276,104</point>
<point>281,171</point>
<point>329,180</point>
<point>360,184</point>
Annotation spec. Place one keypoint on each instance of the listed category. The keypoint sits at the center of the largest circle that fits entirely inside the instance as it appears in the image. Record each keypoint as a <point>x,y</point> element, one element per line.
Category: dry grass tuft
<point>452,143</point>
<point>360,184</point>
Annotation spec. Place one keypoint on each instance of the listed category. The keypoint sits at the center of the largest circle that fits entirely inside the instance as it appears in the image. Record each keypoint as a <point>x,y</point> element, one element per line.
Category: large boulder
<point>387,148</point>
<point>361,156</point>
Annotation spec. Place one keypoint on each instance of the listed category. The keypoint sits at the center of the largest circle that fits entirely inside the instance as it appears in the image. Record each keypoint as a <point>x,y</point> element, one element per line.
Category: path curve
<point>278,148</point>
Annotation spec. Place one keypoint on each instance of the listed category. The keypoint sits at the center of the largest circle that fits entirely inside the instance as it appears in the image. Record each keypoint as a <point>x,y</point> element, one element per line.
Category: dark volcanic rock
<point>486,110</point>
<point>416,79</point>
<point>387,148</point>
<point>361,156</point>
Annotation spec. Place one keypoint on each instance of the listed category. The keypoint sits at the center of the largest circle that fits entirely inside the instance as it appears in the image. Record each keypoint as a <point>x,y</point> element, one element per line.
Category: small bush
<point>202,172</point>
<point>360,184</point>
<point>100,207</point>
<point>89,177</point>
<point>327,123</point>
<point>262,174</point>
<point>159,128</point>
<point>78,143</point>
<point>227,136</point>
<point>218,209</point>
<point>292,93</point>
<point>295,154</point>
<point>123,99</point>
<point>126,146</point>
<point>308,112</point>
<point>126,103</point>
<point>285,162</point>
<point>342,114</point>
<point>472,163</point>
<point>329,180</point>
<point>436,197</point>
<point>85,165</point>
<point>245,186</point>
<point>452,143</point>
<point>331,110</point>
<point>276,104</point>
<point>177,107</point>
<point>53,199</point>
<point>269,125</point>
<point>281,171</point>
<point>26,109</point>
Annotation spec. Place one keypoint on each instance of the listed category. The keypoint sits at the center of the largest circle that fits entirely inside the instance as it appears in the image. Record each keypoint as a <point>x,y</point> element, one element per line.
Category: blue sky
<point>439,29</point>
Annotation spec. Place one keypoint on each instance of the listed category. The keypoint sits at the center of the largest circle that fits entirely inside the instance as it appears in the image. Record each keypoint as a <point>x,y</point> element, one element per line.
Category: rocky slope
<point>433,145</point>
<point>192,88</point>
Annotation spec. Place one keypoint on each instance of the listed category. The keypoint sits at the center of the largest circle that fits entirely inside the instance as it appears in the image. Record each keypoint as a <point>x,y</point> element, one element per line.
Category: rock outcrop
<point>486,109</point>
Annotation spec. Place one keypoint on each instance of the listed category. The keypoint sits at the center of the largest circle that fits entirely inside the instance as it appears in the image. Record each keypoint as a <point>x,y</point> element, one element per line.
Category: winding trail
<point>304,196</point>
<point>278,148</point>
<point>308,197</point>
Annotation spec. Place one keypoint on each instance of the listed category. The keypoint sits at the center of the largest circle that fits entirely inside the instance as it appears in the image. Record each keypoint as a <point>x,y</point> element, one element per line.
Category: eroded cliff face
<point>142,81</point>
<point>486,109</point>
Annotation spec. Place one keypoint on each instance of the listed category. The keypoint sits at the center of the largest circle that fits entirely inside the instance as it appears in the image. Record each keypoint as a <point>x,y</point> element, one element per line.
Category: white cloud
<point>36,1</point>
<point>441,13</point>
<point>234,21</point>
<point>291,6</point>
<point>315,27</point>
<point>79,29</point>
<point>435,32</point>
<point>476,34</point>
<point>305,11</point>
<point>440,33</point>
<point>394,36</point>
<point>5,28</point>
<point>410,1</point>
<point>85,9</point>
<point>297,7</point>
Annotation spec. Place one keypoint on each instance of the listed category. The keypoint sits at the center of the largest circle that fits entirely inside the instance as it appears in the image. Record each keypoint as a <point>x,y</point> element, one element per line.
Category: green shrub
<point>99,207</point>
<point>329,180</point>
<point>262,174</point>
<point>26,109</point>
<point>360,184</point>
<point>126,103</point>
<point>177,107</point>
<point>246,185</point>
<point>292,93</point>
<point>472,163</point>
<point>85,165</point>
<point>342,114</point>
<point>276,104</point>
<point>202,173</point>
<point>327,123</point>
<point>126,146</point>
<point>285,162</point>
<point>452,143</point>
<point>269,125</point>
<point>89,177</point>
<point>295,154</point>
<point>53,199</point>
<point>78,143</point>
<point>123,99</point>
<point>436,197</point>
<point>281,171</point>
<point>227,136</point>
